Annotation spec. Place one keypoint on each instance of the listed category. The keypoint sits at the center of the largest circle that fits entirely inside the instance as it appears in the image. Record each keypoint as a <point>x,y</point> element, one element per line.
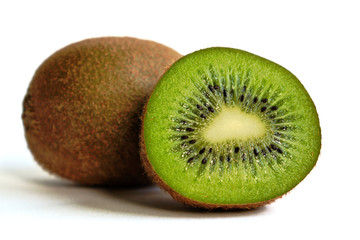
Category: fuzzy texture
<point>81,111</point>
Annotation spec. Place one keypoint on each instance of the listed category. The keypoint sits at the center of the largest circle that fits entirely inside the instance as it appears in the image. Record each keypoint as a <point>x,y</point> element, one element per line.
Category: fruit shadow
<point>148,201</point>
<point>140,201</point>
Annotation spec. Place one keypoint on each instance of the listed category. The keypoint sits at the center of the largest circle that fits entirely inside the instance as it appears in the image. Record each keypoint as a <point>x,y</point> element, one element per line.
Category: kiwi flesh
<point>227,129</point>
<point>81,113</point>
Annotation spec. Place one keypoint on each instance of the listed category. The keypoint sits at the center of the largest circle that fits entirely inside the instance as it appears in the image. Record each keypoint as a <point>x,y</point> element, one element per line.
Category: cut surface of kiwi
<point>81,113</point>
<point>225,128</point>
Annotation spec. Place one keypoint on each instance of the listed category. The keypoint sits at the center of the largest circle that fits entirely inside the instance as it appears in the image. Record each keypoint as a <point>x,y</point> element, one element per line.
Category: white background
<point>317,40</point>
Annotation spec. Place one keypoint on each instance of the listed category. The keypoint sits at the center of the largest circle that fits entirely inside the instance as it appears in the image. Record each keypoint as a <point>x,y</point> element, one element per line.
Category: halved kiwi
<point>225,128</point>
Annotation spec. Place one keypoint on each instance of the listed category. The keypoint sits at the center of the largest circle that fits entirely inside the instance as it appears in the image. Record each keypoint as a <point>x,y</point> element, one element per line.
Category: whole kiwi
<point>81,110</point>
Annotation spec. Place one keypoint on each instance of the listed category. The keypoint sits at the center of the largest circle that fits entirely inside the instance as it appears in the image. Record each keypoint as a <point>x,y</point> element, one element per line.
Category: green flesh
<point>273,145</point>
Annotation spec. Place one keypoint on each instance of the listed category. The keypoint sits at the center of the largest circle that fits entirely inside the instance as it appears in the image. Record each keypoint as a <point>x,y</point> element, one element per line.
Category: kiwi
<point>227,129</point>
<point>81,113</point>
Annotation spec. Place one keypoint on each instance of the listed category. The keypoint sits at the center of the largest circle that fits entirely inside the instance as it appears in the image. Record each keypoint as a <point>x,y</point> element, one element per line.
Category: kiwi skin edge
<point>92,137</point>
<point>154,177</point>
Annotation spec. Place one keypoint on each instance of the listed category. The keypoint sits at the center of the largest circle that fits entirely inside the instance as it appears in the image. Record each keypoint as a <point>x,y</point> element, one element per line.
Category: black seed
<point>242,98</point>
<point>243,157</point>
<point>269,148</point>
<point>183,122</point>
<point>255,100</point>
<point>280,120</point>
<point>190,160</point>
<point>256,152</point>
<point>263,152</point>
<point>199,107</point>
<point>279,150</point>
<point>203,116</point>
<point>184,137</point>
<point>244,88</point>
<point>189,129</point>
<point>273,146</point>
<point>273,108</point>
<point>211,109</point>
<point>225,93</point>
<point>216,87</point>
<point>202,151</point>
<point>237,149</point>
<point>221,158</point>
<point>263,109</point>
<point>210,150</point>
<point>211,88</point>
<point>204,161</point>
<point>264,100</point>
<point>192,141</point>
<point>228,158</point>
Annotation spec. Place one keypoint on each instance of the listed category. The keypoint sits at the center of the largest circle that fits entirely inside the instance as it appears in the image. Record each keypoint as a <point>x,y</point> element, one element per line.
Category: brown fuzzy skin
<point>81,111</point>
<point>150,171</point>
